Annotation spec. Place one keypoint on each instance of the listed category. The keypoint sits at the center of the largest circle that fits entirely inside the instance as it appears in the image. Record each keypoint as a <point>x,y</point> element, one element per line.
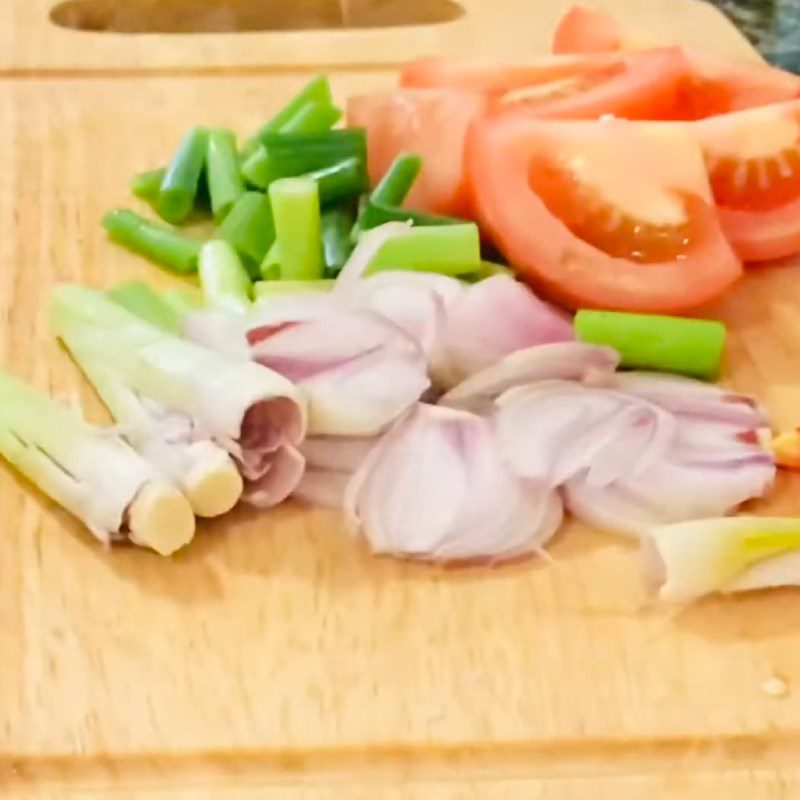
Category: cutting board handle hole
<point>235,16</point>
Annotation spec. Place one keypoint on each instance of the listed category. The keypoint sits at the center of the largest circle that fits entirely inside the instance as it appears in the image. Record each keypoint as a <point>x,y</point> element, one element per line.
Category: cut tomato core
<point>587,214</point>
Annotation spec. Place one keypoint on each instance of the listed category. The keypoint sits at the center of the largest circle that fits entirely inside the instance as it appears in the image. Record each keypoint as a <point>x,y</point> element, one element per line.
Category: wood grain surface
<point>275,658</point>
<point>30,43</point>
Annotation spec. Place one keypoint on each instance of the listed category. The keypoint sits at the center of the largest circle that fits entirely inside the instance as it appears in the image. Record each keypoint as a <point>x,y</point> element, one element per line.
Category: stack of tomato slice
<point>608,176</point>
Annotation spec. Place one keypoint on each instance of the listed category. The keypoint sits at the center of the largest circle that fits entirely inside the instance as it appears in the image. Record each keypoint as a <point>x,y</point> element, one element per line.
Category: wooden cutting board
<point>275,658</point>
<point>30,43</point>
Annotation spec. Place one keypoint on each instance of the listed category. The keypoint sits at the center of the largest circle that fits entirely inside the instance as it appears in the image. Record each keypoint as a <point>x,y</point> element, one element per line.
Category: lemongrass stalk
<point>202,470</point>
<point>214,390</point>
<point>140,299</point>
<point>184,300</point>
<point>90,472</point>
<point>691,559</point>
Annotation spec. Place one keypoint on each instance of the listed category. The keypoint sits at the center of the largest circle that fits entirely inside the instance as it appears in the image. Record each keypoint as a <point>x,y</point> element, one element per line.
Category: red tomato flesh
<point>431,123</point>
<point>647,85</point>
<point>587,30</point>
<point>753,161</point>
<point>607,214</point>
<point>714,85</point>
<point>491,77</point>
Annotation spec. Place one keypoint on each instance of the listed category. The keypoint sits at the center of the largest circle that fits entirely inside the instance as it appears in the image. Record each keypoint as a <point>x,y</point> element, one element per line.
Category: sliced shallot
<point>563,361</point>
<point>436,488</point>
<point>492,319</point>
<point>358,370</point>
<point>554,431</point>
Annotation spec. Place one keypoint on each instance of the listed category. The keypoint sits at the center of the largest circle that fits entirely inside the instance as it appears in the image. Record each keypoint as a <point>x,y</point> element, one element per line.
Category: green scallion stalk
<point>160,245</point>
<point>374,214</point>
<point>336,225</point>
<point>449,250</point>
<point>182,177</point>
<point>310,120</point>
<point>691,347</point>
<point>225,184</point>
<point>395,185</point>
<point>343,181</point>
<point>317,90</point>
<point>295,206</point>
<point>184,300</point>
<point>265,290</point>
<point>140,299</point>
<point>249,229</point>
<point>147,185</point>
<point>226,284</point>
<point>271,265</point>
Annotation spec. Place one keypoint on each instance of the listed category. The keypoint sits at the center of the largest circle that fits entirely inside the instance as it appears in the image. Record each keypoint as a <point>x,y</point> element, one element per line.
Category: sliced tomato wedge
<point>646,85</point>
<point>587,30</point>
<point>606,214</point>
<point>429,122</point>
<point>492,77</point>
<point>715,85</point>
<point>753,162</point>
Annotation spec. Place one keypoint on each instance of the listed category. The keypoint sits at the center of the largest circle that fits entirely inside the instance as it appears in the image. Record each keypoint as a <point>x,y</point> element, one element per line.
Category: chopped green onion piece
<point>140,299</point>
<point>226,284</point>
<point>161,245</point>
<point>449,250</point>
<point>264,290</point>
<point>249,229</point>
<point>686,346</point>
<point>313,118</point>
<point>318,90</point>
<point>345,180</point>
<point>374,214</point>
<point>292,155</point>
<point>184,300</point>
<point>271,265</point>
<point>295,205</point>
<point>225,184</point>
<point>147,185</point>
<point>336,245</point>
<point>182,177</point>
<point>395,185</point>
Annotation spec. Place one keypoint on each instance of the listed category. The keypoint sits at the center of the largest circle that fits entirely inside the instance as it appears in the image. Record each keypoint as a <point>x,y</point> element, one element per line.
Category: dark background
<point>773,26</point>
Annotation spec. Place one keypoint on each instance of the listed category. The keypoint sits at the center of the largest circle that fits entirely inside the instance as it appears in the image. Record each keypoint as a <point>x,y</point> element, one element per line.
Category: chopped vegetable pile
<point>370,349</point>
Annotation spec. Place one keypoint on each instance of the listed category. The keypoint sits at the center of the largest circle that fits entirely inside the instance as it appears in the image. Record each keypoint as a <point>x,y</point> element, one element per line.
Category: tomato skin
<point>586,30</point>
<point>649,87</point>
<point>715,85</point>
<point>553,260</point>
<point>493,78</point>
<point>429,122</point>
<point>757,193</point>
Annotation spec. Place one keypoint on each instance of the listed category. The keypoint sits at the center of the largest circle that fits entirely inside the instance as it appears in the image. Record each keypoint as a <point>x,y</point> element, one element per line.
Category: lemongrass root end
<point>161,518</point>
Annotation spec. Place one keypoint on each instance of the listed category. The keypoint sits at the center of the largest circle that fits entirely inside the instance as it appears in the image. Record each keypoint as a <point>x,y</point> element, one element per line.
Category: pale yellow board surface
<point>276,646</point>
<point>29,42</point>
